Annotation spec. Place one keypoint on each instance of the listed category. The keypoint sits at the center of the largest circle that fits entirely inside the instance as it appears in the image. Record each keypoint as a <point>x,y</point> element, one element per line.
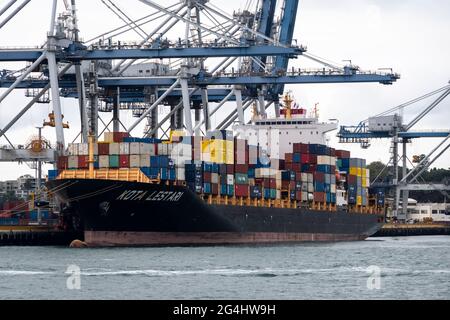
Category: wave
<point>23,273</point>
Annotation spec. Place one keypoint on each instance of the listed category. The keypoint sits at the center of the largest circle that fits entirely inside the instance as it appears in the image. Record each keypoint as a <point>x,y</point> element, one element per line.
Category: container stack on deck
<point>220,164</point>
<point>357,178</point>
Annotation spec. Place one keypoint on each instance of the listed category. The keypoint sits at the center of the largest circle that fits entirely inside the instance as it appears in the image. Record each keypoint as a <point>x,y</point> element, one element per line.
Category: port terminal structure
<point>391,125</point>
<point>255,45</point>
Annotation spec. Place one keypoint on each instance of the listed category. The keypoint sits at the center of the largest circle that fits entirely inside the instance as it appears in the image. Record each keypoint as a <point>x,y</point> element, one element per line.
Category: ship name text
<point>139,195</point>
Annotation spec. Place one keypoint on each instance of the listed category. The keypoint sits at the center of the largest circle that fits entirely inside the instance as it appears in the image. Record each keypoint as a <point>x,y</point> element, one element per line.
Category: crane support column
<point>239,108</point>
<point>405,193</point>
<point>54,83</point>
<point>186,106</point>
<point>116,112</point>
<point>205,106</point>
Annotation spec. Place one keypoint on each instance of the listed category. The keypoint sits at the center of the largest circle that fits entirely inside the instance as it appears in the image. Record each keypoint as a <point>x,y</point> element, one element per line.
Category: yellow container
<point>363,173</point>
<point>359,172</point>
<point>229,145</point>
<point>359,200</point>
<point>108,137</point>
<point>364,182</point>
<point>354,171</point>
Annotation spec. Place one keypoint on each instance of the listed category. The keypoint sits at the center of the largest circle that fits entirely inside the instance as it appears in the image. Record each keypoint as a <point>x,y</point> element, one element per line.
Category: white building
<point>438,212</point>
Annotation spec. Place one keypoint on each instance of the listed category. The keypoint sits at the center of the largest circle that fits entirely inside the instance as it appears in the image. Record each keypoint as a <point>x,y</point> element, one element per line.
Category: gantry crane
<point>256,48</point>
<point>390,125</point>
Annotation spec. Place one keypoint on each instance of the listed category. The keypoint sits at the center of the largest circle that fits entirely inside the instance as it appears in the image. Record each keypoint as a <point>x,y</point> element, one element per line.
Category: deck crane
<point>389,125</point>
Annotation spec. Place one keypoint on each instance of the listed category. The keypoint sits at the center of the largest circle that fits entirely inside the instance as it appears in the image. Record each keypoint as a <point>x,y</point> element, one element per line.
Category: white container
<point>72,149</point>
<point>304,196</point>
<point>114,149</point>
<point>144,160</point>
<point>135,148</point>
<point>103,161</point>
<point>333,161</point>
<point>181,174</point>
<point>310,178</point>
<point>72,162</point>
<point>230,179</point>
<point>83,149</point>
<point>162,149</point>
<point>333,188</point>
<point>144,148</point>
<point>321,160</point>
<point>214,178</point>
<point>304,177</point>
<point>310,187</point>
<point>124,148</point>
<point>135,161</point>
<point>206,157</point>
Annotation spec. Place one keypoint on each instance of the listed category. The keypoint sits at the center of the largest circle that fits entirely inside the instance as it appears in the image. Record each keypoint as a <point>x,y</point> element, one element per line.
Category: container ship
<point>272,181</point>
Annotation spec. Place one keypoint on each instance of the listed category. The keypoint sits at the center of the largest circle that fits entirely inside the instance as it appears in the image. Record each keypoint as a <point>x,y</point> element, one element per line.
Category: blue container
<point>207,188</point>
<point>323,168</point>
<point>164,172</point>
<point>52,174</point>
<point>207,167</point>
<point>172,174</point>
<point>230,188</point>
<point>296,157</point>
<point>194,187</point>
<point>319,186</point>
<point>345,163</point>
<point>223,169</point>
<point>251,172</point>
<point>305,167</point>
<point>44,215</point>
<point>293,195</point>
<point>255,192</point>
<point>286,175</point>
<point>327,188</point>
<point>333,197</point>
<point>318,149</point>
<point>215,168</point>
<point>223,189</point>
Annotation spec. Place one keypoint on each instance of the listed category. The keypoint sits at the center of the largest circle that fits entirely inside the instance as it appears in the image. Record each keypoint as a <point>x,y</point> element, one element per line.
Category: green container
<point>114,161</point>
<point>241,178</point>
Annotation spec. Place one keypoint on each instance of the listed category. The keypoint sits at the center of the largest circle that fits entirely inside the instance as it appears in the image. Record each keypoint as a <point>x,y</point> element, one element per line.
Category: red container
<point>214,189</point>
<point>351,179</point>
<point>320,197</point>
<point>103,149</point>
<point>259,182</point>
<point>312,168</point>
<point>230,168</point>
<point>292,185</point>
<point>241,168</point>
<point>285,184</point>
<point>289,158</point>
<point>297,167</point>
<point>273,183</point>
<point>83,162</point>
<point>207,177</point>
<point>124,161</point>
<point>319,177</point>
<point>308,158</point>
<point>301,148</point>
<point>298,195</point>
<point>343,154</point>
<point>119,136</point>
<point>62,163</point>
<point>288,166</point>
<point>333,169</point>
<point>241,190</point>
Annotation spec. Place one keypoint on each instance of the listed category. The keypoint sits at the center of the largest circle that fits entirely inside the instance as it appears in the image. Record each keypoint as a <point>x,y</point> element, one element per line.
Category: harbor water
<point>378,268</point>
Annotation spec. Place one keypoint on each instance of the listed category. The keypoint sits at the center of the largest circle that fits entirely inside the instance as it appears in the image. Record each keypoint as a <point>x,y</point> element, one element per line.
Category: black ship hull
<point>116,213</point>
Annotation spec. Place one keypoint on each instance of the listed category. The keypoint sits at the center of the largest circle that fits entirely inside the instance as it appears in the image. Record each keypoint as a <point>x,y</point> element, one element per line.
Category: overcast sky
<point>410,36</point>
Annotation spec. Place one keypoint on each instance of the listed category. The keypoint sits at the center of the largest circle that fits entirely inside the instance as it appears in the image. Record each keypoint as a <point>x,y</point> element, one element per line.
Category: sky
<point>409,36</point>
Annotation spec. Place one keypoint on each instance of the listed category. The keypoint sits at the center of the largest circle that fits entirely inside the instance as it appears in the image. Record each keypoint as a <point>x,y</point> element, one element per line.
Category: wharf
<point>417,229</point>
<point>35,236</point>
